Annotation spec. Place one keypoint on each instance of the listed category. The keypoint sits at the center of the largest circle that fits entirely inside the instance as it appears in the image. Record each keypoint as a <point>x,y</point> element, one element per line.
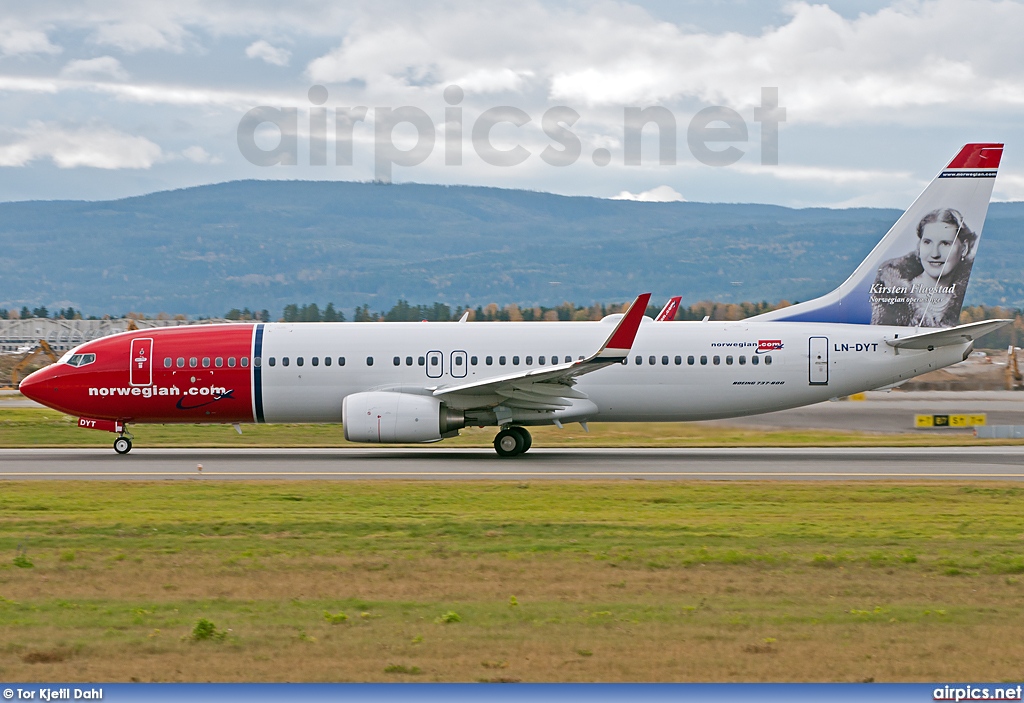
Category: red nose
<point>41,386</point>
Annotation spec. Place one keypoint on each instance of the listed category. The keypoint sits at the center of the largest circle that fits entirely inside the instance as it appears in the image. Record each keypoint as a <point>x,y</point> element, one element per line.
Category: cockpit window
<point>81,359</point>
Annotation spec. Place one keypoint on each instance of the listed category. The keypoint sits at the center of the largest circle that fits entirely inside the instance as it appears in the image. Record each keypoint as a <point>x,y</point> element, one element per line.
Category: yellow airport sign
<point>958,420</point>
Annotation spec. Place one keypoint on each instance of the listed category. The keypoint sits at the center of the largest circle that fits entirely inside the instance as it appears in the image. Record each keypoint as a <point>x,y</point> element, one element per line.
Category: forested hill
<point>264,244</point>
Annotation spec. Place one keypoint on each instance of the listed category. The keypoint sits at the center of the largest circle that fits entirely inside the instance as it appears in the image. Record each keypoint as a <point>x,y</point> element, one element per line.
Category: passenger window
<point>245,362</point>
<point>716,360</point>
<point>679,360</point>
<point>767,359</point>
<point>664,361</point>
<point>206,362</point>
<point>231,362</point>
<point>369,361</point>
<point>489,360</point>
<point>651,360</point>
<point>689,360</point>
<point>743,360</point>
<point>639,361</point>
<point>529,360</point>
<point>315,361</point>
<point>515,361</point>
<point>421,361</point>
<point>299,361</point>
<point>193,362</point>
<point>703,360</point>
<point>728,361</point>
<point>397,361</point>
<point>458,360</point>
<point>327,361</point>
<point>181,362</point>
<point>434,361</point>
<point>285,361</point>
<point>341,361</point>
<point>273,361</point>
<point>257,362</point>
<point>755,360</point>
<point>408,361</point>
<point>540,360</point>
<point>218,362</point>
<point>501,361</point>
<point>472,361</point>
<point>554,359</point>
<point>167,362</point>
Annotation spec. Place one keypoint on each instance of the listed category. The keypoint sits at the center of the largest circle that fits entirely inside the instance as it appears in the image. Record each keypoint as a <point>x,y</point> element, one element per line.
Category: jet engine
<point>386,416</point>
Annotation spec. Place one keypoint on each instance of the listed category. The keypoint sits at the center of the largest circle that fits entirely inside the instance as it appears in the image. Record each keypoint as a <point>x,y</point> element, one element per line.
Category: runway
<point>905,463</point>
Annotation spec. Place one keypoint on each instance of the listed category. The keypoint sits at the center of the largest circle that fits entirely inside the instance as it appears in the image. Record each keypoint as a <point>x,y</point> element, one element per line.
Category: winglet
<point>668,313</point>
<point>621,339</point>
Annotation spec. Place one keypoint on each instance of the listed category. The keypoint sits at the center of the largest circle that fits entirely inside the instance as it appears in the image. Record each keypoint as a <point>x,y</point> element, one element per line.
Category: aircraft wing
<point>550,387</point>
<point>948,337</point>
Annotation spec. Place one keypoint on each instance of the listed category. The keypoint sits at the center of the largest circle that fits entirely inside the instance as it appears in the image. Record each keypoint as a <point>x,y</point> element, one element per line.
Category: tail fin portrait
<point>917,274</point>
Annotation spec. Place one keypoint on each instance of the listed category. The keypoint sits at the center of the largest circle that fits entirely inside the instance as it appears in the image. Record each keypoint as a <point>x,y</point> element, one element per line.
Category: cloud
<point>818,174</point>
<point>92,146</point>
<point>263,50</point>
<point>94,68</point>
<point>1009,186</point>
<point>133,37</point>
<point>199,155</point>
<point>660,194</point>
<point>493,80</point>
<point>16,41</point>
<point>897,63</point>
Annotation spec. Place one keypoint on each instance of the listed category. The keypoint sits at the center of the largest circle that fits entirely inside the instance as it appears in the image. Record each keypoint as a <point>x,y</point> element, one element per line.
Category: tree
<point>362,314</point>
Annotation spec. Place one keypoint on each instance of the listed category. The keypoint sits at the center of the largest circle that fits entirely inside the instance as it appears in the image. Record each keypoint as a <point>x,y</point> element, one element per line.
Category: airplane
<point>668,313</point>
<point>894,318</point>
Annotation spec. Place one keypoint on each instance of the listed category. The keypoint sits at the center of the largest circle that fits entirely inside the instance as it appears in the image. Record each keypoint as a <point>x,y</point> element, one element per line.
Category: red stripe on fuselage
<point>104,388</point>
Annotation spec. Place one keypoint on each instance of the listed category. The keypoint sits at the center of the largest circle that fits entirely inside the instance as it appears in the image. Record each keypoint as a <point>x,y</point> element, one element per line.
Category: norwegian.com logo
<point>766,345</point>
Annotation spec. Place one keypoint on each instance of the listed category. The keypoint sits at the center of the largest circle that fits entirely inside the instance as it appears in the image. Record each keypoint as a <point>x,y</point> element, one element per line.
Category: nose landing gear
<point>123,444</point>
<point>512,441</point>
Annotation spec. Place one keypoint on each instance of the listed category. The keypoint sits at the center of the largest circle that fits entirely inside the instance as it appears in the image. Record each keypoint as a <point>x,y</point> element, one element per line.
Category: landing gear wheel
<point>526,436</point>
<point>122,445</point>
<point>508,443</point>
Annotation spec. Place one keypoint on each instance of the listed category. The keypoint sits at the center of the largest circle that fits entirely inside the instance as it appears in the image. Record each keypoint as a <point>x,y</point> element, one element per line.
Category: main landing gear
<point>512,441</point>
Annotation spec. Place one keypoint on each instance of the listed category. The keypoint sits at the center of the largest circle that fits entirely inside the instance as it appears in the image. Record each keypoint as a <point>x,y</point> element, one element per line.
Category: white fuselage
<point>809,363</point>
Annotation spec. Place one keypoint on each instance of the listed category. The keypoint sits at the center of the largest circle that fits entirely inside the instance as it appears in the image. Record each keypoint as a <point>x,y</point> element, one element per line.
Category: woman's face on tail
<point>939,248</point>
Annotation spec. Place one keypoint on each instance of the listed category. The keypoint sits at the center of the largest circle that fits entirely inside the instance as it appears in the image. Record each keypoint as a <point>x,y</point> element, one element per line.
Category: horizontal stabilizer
<point>948,337</point>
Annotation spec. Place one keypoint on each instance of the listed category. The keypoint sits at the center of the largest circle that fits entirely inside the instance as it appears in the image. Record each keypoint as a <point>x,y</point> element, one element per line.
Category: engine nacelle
<point>385,416</point>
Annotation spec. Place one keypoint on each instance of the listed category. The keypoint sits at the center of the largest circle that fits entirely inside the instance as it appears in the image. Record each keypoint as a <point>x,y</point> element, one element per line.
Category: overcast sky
<point>109,98</point>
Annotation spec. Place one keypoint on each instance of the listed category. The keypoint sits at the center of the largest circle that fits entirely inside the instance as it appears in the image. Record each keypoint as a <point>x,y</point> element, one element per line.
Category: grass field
<point>508,581</point>
<point>32,427</point>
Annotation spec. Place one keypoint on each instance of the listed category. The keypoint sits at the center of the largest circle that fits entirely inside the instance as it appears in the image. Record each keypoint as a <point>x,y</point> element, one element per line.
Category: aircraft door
<point>459,367</point>
<point>818,361</point>
<point>141,362</point>
<point>435,364</point>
